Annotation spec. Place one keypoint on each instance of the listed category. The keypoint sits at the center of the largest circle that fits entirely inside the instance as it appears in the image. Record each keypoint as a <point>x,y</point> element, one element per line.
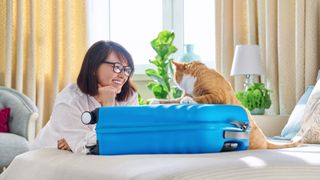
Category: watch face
<point>86,117</point>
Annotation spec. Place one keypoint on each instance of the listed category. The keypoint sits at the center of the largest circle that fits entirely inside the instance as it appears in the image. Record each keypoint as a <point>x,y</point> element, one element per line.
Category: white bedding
<point>51,164</point>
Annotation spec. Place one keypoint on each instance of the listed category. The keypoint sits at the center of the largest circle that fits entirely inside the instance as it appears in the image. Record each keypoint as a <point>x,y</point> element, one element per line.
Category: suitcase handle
<point>242,125</point>
<point>88,117</point>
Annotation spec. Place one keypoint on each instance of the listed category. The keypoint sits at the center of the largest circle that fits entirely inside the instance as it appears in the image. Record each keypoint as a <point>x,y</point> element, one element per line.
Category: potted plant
<point>161,83</point>
<point>256,98</point>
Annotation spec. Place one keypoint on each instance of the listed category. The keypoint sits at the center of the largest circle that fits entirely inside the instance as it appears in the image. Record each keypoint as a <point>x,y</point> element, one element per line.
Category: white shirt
<point>65,121</point>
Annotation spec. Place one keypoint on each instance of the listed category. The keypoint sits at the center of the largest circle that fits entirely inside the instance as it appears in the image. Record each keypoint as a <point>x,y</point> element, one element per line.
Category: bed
<point>292,163</point>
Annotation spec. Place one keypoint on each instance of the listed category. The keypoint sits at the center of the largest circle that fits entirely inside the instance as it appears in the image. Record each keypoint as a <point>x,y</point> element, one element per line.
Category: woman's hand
<point>106,95</point>
<point>63,145</point>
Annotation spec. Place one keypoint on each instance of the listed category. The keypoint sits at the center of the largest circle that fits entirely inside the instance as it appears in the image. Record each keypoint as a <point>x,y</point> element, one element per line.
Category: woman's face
<point>107,77</point>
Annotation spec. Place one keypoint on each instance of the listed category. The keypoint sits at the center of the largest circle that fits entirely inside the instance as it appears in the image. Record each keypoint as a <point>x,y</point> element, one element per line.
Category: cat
<point>202,85</point>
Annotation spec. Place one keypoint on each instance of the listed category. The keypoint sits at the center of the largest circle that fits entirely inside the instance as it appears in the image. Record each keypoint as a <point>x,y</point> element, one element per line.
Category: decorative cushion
<point>4,118</point>
<point>294,123</point>
<point>310,129</point>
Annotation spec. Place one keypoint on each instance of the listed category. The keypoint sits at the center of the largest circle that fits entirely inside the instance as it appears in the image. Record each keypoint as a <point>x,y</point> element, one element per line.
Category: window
<point>135,23</point>
<point>199,28</point>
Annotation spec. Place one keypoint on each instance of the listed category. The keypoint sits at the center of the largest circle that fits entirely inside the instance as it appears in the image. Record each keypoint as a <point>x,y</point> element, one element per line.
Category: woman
<point>104,80</point>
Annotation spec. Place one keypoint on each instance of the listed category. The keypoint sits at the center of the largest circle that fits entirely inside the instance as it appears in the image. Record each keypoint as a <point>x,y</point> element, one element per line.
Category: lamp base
<point>248,82</point>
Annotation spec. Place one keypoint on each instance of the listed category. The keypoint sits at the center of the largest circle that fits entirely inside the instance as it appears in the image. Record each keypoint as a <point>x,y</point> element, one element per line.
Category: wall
<point>141,81</point>
<point>271,125</point>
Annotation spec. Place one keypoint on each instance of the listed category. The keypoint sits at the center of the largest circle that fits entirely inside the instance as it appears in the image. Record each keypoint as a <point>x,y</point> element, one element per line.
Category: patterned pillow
<point>4,118</point>
<point>310,128</point>
<point>293,125</point>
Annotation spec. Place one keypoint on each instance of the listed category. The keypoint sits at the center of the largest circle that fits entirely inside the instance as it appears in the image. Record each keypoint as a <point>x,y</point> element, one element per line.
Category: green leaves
<point>176,92</point>
<point>162,75</point>
<point>159,92</point>
<point>256,96</point>
<point>154,75</point>
<point>163,44</point>
<point>140,100</point>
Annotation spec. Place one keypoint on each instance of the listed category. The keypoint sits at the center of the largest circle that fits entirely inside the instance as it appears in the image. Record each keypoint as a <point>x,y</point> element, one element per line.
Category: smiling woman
<point>104,80</point>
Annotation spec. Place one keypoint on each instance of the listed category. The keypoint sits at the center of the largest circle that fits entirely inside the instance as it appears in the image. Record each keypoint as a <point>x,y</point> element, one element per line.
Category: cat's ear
<point>178,65</point>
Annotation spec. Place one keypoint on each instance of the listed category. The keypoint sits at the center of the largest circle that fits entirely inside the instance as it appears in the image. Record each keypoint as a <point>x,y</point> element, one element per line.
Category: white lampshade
<point>247,61</point>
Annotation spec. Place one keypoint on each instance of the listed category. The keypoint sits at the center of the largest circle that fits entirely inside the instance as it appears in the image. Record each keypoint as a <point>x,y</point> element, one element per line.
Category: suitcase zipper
<point>242,125</point>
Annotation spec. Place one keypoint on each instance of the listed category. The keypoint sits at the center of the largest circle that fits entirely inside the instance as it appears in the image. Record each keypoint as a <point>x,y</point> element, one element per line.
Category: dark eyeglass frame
<point>118,68</point>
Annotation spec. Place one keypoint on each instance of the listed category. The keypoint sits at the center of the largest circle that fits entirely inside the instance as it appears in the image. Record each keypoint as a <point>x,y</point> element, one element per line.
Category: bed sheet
<point>52,164</point>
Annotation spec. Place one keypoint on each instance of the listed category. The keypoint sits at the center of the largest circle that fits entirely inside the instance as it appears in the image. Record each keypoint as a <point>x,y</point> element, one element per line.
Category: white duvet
<point>51,164</point>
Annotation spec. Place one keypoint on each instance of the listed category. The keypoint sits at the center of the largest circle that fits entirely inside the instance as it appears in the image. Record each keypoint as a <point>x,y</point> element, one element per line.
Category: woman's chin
<point>117,87</point>
<point>118,90</point>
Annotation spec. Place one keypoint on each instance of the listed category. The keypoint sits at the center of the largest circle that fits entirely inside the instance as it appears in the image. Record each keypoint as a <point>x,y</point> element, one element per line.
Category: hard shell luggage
<point>174,128</point>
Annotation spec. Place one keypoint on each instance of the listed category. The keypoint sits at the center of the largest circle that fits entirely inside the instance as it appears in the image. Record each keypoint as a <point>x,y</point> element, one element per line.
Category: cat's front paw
<point>187,100</point>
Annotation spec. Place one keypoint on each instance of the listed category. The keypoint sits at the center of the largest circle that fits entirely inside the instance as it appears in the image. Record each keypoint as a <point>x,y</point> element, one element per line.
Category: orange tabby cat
<point>206,86</point>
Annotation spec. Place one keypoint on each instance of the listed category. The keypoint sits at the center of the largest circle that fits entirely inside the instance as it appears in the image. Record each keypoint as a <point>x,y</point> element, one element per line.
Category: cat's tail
<point>295,143</point>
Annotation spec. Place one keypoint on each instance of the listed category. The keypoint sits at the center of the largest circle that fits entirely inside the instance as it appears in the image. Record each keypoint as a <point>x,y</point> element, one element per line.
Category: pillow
<point>310,128</point>
<point>294,122</point>
<point>4,118</point>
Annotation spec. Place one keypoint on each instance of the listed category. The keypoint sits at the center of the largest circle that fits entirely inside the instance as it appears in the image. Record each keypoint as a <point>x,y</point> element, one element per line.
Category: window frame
<point>173,19</point>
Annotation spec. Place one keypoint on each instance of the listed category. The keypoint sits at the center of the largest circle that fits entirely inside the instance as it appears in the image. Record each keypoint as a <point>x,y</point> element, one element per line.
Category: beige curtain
<point>42,44</point>
<point>287,32</point>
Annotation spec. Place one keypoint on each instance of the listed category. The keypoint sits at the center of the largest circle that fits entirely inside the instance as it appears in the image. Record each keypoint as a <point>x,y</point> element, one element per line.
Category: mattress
<point>292,163</point>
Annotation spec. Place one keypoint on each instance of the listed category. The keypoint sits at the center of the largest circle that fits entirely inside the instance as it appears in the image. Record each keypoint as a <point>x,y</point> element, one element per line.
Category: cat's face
<point>186,75</point>
<point>184,69</point>
<point>179,71</point>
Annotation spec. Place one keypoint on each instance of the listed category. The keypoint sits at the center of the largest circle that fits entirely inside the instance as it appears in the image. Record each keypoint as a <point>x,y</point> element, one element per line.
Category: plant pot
<point>257,111</point>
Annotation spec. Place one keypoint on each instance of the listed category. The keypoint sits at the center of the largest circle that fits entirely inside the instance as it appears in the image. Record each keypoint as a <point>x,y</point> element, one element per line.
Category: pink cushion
<point>4,118</point>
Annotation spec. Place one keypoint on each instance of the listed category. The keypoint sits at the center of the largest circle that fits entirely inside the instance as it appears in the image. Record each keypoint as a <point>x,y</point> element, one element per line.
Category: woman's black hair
<point>97,53</point>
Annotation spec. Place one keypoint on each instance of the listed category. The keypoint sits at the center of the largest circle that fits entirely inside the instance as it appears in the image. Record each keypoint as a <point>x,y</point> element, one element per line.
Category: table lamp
<point>247,61</point>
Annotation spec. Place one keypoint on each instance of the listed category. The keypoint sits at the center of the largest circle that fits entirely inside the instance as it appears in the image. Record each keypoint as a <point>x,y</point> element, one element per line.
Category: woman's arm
<point>75,134</point>
<point>67,123</point>
<point>63,145</point>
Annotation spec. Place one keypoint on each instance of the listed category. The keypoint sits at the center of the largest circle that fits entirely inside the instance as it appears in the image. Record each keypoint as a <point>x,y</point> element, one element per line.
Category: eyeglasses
<point>118,68</point>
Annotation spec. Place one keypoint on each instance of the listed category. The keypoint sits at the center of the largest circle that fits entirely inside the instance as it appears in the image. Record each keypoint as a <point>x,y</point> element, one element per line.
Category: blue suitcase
<point>174,128</point>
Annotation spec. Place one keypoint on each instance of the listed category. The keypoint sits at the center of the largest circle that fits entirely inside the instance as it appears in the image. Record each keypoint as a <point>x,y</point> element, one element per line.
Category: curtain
<point>42,44</point>
<point>287,33</point>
